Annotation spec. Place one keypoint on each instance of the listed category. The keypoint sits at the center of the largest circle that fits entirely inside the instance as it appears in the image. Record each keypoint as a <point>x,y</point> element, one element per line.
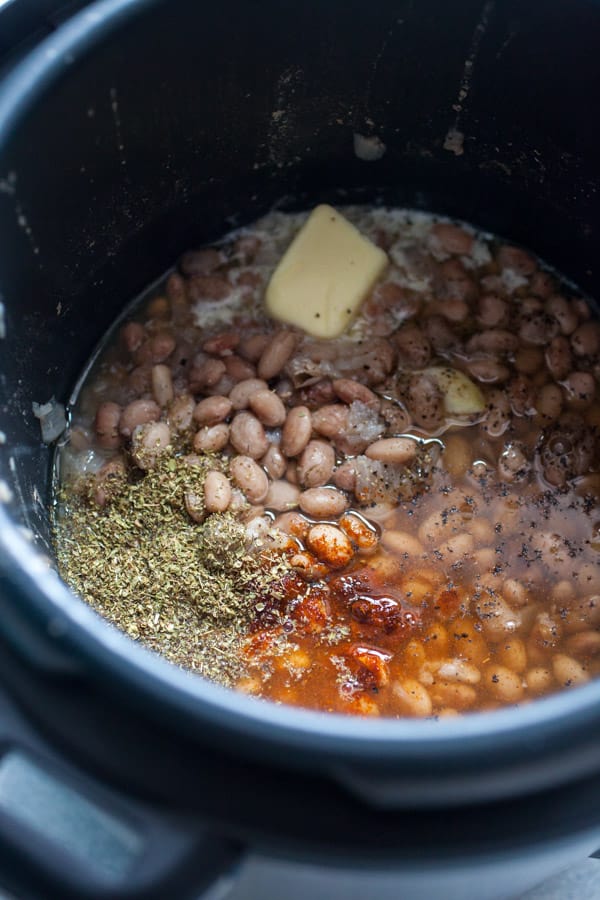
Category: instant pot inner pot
<point>133,138</point>
<point>164,134</point>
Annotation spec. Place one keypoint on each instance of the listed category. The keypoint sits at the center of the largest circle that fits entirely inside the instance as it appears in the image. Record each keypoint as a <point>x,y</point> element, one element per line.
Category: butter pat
<point>324,275</point>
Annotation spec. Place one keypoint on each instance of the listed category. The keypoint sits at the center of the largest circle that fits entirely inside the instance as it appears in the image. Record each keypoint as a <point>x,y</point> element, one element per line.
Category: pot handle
<point>64,835</point>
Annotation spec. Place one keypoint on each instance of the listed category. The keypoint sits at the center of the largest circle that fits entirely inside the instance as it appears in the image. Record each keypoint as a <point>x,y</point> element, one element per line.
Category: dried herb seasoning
<point>184,589</point>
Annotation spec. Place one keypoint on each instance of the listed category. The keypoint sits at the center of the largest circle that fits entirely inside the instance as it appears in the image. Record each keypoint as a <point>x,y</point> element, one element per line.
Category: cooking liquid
<point>472,579</point>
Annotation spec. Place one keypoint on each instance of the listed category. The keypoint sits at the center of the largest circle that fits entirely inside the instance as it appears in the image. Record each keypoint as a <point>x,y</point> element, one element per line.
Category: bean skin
<point>503,683</point>
<point>282,496</point>
<point>239,369</point>
<point>211,438</point>
<point>585,340</point>
<point>568,672</point>
<point>180,413</point>
<point>344,476</point>
<point>296,431</point>
<point>330,545</point>
<point>580,389</point>
<point>453,238</point>
<point>252,348</point>
<point>217,492</point>
<point>347,390</point>
<point>106,425</point>
<point>149,442</point>
<point>241,393</point>
<point>413,345</point>
<point>323,502</point>
<point>274,462</point>
<point>212,410</point>
<point>292,523</point>
<point>398,451</point>
<point>316,464</point>
<point>276,354</point>
<point>250,478</point>
<point>138,412</point>
<point>268,408</point>
<point>247,435</point>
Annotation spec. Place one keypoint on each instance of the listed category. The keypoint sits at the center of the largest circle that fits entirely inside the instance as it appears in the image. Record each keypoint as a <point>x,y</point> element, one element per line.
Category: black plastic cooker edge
<point>247,767</point>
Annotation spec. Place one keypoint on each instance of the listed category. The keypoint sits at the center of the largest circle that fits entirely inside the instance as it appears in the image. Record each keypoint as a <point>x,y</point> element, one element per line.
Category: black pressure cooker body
<point>129,132</point>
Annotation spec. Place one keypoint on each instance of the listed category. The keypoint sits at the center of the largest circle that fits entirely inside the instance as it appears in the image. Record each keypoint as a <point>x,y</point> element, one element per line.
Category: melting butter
<point>324,275</point>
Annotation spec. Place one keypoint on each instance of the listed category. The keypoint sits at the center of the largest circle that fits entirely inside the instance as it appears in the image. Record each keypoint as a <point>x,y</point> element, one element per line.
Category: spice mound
<point>186,586</point>
<point>391,510</point>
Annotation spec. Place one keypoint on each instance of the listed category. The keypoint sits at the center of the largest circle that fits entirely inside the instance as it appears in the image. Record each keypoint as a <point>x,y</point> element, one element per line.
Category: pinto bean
<point>138,412</point>
<point>221,344</point>
<point>456,696</point>
<point>495,341</point>
<point>529,360</point>
<point>323,502</point>
<point>549,402</point>
<point>217,492</point>
<point>276,354</point>
<point>316,464</point>
<point>454,282</point>
<point>561,310</point>
<point>282,495</point>
<point>331,420</point>
<point>497,417</point>
<point>162,346</point>
<point>585,340</point>
<point>568,672</point>
<point>348,390</point>
<point>402,543</point>
<point>292,523</point>
<point>268,408</point>
<point>212,410</point>
<point>250,478</point>
<point>149,442</point>
<point>296,431</point>
<point>492,311</point>
<point>558,357</point>
<point>363,535</point>
<point>201,262</point>
<point>132,336</point>
<point>585,643</point>
<point>330,545</point>
<point>412,698</point>
<point>488,371</point>
<point>205,373</point>
<point>274,462</point>
<point>518,260</point>
<point>538,328</point>
<point>239,369</point>
<point>247,435</point>
<point>241,393</point>
<point>502,683</point>
<point>453,238</point>
<point>162,384</point>
<point>308,566</point>
<point>180,413</point>
<point>252,348</point>
<point>211,438</point>
<point>109,480</point>
<point>425,402</point>
<point>344,476</point>
<point>208,287</point>
<point>106,425</point>
<point>398,451</point>
<point>413,346</point>
<point>580,389</point>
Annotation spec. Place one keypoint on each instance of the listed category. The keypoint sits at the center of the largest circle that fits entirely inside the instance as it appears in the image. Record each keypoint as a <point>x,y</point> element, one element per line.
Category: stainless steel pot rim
<point>190,701</point>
